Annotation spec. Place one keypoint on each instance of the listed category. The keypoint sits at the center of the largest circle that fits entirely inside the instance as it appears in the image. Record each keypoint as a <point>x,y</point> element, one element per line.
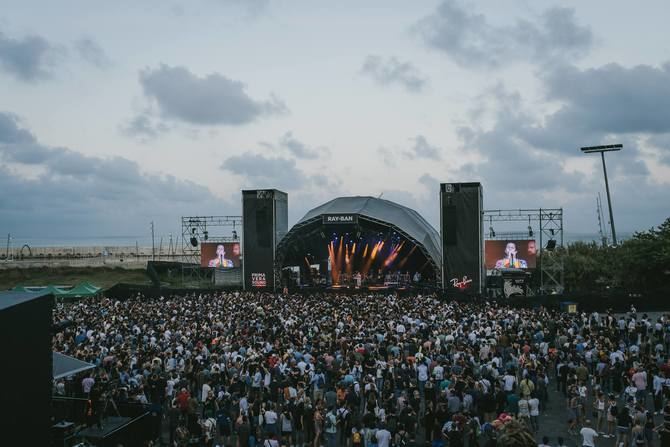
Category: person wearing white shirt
<point>438,373</point>
<point>422,375</point>
<point>534,408</point>
<point>588,434</point>
<point>206,388</point>
<point>383,437</point>
<point>508,382</point>
<point>658,383</point>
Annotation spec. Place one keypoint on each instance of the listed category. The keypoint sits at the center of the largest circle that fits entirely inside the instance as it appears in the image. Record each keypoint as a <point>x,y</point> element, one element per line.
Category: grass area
<point>99,276</point>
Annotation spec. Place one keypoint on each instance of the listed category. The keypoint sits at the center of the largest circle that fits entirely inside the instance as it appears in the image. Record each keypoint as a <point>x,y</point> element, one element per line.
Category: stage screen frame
<point>494,250</point>
<point>232,253</point>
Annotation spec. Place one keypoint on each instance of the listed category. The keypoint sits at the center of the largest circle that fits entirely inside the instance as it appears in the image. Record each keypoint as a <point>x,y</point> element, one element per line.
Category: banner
<point>340,218</point>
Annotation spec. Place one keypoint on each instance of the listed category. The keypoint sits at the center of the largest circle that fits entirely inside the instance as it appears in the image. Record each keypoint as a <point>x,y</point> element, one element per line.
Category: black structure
<point>363,219</point>
<point>264,222</point>
<point>25,329</point>
<point>462,230</point>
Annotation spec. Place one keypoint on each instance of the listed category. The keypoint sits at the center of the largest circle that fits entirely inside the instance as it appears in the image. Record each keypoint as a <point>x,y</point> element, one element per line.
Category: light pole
<point>602,150</point>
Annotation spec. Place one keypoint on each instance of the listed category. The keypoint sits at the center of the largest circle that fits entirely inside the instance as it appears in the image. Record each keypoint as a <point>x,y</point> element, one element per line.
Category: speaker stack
<point>462,232</point>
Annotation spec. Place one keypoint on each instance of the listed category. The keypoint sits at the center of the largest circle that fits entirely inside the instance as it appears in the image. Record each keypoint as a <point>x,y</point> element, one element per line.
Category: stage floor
<point>109,425</point>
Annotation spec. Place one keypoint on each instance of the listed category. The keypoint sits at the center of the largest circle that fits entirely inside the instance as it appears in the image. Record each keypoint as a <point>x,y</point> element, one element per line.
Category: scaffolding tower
<point>548,222</point>
<point>198,229</point>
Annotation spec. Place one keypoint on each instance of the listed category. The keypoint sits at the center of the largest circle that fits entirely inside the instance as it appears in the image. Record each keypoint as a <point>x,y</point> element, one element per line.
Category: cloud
<point>11,132</point>
<point>392,71</point>
<point>76,194</point>
<point>528,158</point>
<point>610,98</point>
<point>29,59</point>
<point>275,172</point>
<point>211,100</point>
<point>288,143</point>
<point>387,155</point>
<point>471,41</point>
<point>299,149</point>
<point>90,51</point>
<point>423,150</point>
<point>509,163</point>
<point>260,171</point>
<point>144,128</point>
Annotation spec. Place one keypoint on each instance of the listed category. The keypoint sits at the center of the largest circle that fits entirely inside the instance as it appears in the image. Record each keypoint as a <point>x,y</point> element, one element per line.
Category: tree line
<point>638,264</point>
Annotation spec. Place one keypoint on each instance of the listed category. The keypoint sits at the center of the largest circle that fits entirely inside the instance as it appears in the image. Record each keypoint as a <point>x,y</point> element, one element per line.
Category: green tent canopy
<point>81,290</point>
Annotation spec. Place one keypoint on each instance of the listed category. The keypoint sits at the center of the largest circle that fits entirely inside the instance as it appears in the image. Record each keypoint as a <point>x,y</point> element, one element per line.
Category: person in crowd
<point>588,434</point>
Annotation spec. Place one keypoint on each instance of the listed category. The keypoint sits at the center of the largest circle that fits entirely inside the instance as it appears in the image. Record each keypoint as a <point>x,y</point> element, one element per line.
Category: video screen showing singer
<point>220,260</point>
<point>511,260</point>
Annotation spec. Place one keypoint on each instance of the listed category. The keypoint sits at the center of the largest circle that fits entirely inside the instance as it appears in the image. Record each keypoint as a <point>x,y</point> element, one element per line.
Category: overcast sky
<point>113,114</point>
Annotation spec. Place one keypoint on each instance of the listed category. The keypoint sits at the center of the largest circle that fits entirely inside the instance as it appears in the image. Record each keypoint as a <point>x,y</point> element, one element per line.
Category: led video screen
<point>520,254</point>
<point>220,254</point>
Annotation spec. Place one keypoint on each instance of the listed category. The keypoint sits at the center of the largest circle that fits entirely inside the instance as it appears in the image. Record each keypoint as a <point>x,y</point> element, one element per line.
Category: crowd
<point>256,369</point>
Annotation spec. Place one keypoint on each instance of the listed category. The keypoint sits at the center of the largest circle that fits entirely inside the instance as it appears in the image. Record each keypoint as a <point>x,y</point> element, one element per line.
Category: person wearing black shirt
<point>429,421</point>
<point>623,422</point>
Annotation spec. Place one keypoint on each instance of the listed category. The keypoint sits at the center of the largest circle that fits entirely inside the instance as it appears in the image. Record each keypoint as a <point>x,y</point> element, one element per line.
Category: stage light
<point>551,244</point>
<point>492,233</point>
<point>194,241</point>
<point>530,231</point>
<point>234,235</point>
<point>551,230</point>
<point>205,234</point>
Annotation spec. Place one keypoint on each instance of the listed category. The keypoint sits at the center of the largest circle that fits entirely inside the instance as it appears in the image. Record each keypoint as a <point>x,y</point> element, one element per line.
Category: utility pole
<point>602,150</point>
<point>153,243</point>
<point>601,224</point>
<point>9,237</point>
<point>170,253</point>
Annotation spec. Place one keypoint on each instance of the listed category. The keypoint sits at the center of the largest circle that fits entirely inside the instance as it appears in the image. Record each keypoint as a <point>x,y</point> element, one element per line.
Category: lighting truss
<point>550,223</point>
<point>207,229</point>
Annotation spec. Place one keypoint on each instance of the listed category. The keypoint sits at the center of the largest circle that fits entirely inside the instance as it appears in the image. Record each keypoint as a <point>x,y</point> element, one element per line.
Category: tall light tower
<point>602,150</point>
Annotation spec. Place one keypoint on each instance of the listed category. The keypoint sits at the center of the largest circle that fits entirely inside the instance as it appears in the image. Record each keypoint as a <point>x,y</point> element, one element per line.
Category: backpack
<point>329,422</point>
<point>222,420</point>
<point>639,438</point>
<point>614,411</point>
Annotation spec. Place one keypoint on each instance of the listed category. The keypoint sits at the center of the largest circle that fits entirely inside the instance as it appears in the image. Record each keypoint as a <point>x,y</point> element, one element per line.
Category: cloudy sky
<point>119,113</point>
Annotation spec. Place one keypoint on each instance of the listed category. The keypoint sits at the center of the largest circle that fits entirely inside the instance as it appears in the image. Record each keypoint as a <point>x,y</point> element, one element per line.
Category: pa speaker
<point>265,222</point>
<point>462,233</point>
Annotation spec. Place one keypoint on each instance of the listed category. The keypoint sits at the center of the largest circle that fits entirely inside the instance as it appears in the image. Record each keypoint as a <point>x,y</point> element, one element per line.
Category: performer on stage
<point>510,260</point>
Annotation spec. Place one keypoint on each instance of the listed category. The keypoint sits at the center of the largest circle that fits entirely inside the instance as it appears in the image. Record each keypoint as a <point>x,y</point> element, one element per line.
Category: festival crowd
<point>369,370</point>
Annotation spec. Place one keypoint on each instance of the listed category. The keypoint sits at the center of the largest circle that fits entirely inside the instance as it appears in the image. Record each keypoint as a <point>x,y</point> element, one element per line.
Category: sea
<point>165,240</point>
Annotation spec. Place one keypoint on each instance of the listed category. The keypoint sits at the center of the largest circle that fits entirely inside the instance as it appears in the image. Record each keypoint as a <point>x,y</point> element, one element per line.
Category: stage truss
<point>548,223</point>
<point>200,229</point>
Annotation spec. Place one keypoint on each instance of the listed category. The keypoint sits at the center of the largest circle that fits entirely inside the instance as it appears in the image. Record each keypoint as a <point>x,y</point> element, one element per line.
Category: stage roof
<point>64,365</point>
<point>12,298</point>
<point>406,219</point>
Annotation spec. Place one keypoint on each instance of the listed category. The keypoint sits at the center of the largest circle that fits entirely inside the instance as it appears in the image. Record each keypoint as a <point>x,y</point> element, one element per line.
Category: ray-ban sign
<point>340,218</point>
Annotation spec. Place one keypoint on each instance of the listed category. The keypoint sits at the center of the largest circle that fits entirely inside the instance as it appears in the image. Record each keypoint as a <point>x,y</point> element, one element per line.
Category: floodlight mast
<point>602,150</point>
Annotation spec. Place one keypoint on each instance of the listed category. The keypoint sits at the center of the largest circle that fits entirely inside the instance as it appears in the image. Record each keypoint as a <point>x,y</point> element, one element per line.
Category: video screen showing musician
<point>511,259</point>
<point>221,261</point>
